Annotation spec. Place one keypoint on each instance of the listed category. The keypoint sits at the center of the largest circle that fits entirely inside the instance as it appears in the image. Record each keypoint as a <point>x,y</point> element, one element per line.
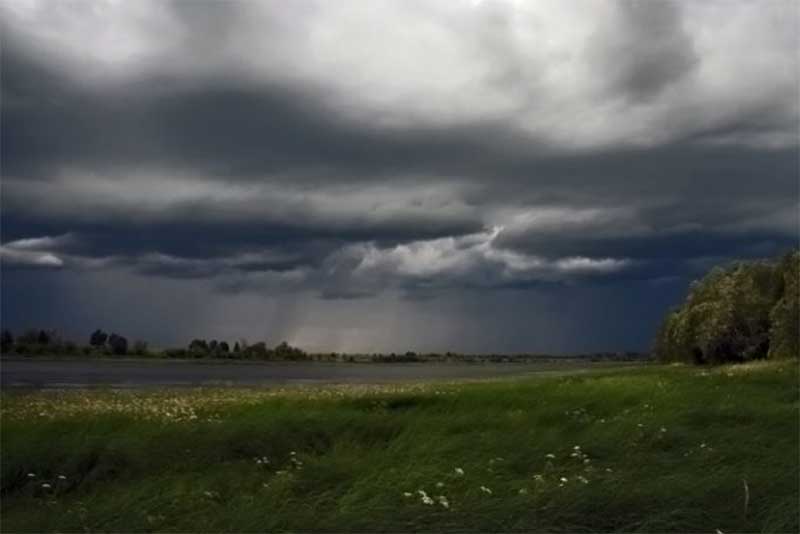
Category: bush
<point>748,311</point>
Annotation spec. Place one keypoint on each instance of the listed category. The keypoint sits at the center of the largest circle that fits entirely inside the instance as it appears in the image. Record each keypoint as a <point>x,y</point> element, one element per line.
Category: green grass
<point>668,449</point>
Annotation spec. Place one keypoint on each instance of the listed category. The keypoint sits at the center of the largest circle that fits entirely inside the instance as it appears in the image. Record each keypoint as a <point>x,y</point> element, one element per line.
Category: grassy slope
<point>185,461</point>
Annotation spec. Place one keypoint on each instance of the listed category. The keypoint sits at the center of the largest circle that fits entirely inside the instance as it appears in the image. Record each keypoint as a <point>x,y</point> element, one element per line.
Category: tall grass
<point>657,449</point>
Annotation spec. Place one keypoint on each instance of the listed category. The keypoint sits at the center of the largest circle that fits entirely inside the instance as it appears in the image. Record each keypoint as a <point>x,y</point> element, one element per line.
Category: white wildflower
<point>523,491</point>
<point>583,479</point>
<point>440,484</point>
<point>46,485</point>
<point>564,480</point>
<point>486,490</point>
<point>407,494</point>
<point>459,471</point>
<point>443,501</point>
<point>550,455</point>
<point>62,477</point>
<point>31,475</point>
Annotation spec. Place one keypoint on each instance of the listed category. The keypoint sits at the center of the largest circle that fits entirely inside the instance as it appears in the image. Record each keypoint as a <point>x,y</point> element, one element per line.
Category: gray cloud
<point>406,151</point>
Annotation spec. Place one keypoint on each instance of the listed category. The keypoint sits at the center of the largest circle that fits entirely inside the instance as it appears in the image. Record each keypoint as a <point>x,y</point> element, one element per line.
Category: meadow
<point>655,449</point>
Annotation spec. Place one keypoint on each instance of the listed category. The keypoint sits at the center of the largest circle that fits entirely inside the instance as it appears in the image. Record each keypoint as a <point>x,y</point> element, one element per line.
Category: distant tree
<point>6,341</point>
<point>212,345</point>
<point>258,350</point>
<point>284,351</point>
<point>223,347</point>
<point>98,338</point>
<point>44,337</point>
<point>118,344</point>
<point>236,347</point>
<point>198,345</point>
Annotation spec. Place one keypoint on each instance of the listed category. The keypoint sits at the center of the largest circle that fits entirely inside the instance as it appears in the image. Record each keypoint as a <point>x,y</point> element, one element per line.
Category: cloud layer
<point>411,151</point>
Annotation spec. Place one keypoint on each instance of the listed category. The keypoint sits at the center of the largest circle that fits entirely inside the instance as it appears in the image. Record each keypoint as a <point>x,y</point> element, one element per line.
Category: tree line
<point>101,343</point>
<point>48,342</point>
<point>747,311</point>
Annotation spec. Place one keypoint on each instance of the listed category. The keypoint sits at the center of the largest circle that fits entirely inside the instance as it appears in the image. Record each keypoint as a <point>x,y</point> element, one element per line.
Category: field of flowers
<point>656,449</point>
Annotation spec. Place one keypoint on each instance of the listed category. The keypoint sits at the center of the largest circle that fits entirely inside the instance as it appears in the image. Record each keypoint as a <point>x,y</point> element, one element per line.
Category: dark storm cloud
<point>412,150</point>
<point>645,51</point>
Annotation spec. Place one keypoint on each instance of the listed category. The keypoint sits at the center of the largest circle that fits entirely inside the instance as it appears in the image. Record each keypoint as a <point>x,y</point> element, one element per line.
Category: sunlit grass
<point>661,449</point>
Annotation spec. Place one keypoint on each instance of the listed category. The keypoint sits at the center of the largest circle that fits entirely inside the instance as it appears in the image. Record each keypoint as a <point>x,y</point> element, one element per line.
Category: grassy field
<point>655,449</point>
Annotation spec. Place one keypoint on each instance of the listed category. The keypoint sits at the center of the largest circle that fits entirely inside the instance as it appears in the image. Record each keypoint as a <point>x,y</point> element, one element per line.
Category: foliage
<point>98,338</point>
<point>118,344</point>
<point>745,312</point>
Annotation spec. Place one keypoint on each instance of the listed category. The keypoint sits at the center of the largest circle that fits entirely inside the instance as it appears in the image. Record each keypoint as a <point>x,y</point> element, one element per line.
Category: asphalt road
<point>41,373</point>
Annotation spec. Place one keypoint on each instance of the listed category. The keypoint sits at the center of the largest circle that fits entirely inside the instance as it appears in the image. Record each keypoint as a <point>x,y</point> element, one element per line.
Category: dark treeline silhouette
<point>103,344</point>
<point>50,343</point>
<point>241,350</point>
<point>747,311</point>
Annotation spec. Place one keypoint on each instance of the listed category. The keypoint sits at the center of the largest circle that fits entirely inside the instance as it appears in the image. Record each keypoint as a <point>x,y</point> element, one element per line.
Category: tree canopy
<point>744,312</point>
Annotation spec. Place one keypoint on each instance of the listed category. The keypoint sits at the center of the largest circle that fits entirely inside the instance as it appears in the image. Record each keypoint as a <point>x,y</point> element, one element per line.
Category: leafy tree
<point>747,311</point>
<point>785,316</point>
<point>198,346</point>
<point>223,347</point>
<point>118,344</point>
<point>258,350</point>
<point>98,338</point>
<point>284,351</point>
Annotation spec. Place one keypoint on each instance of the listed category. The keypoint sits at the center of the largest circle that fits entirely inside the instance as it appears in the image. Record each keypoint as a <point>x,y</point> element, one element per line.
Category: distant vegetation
<point>49,343</point>
<point>101,344</point>
<point>748,311</point>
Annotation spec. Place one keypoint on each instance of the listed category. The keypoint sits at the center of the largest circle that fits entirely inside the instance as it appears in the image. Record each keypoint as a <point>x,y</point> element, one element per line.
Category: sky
<point>475,176</point>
